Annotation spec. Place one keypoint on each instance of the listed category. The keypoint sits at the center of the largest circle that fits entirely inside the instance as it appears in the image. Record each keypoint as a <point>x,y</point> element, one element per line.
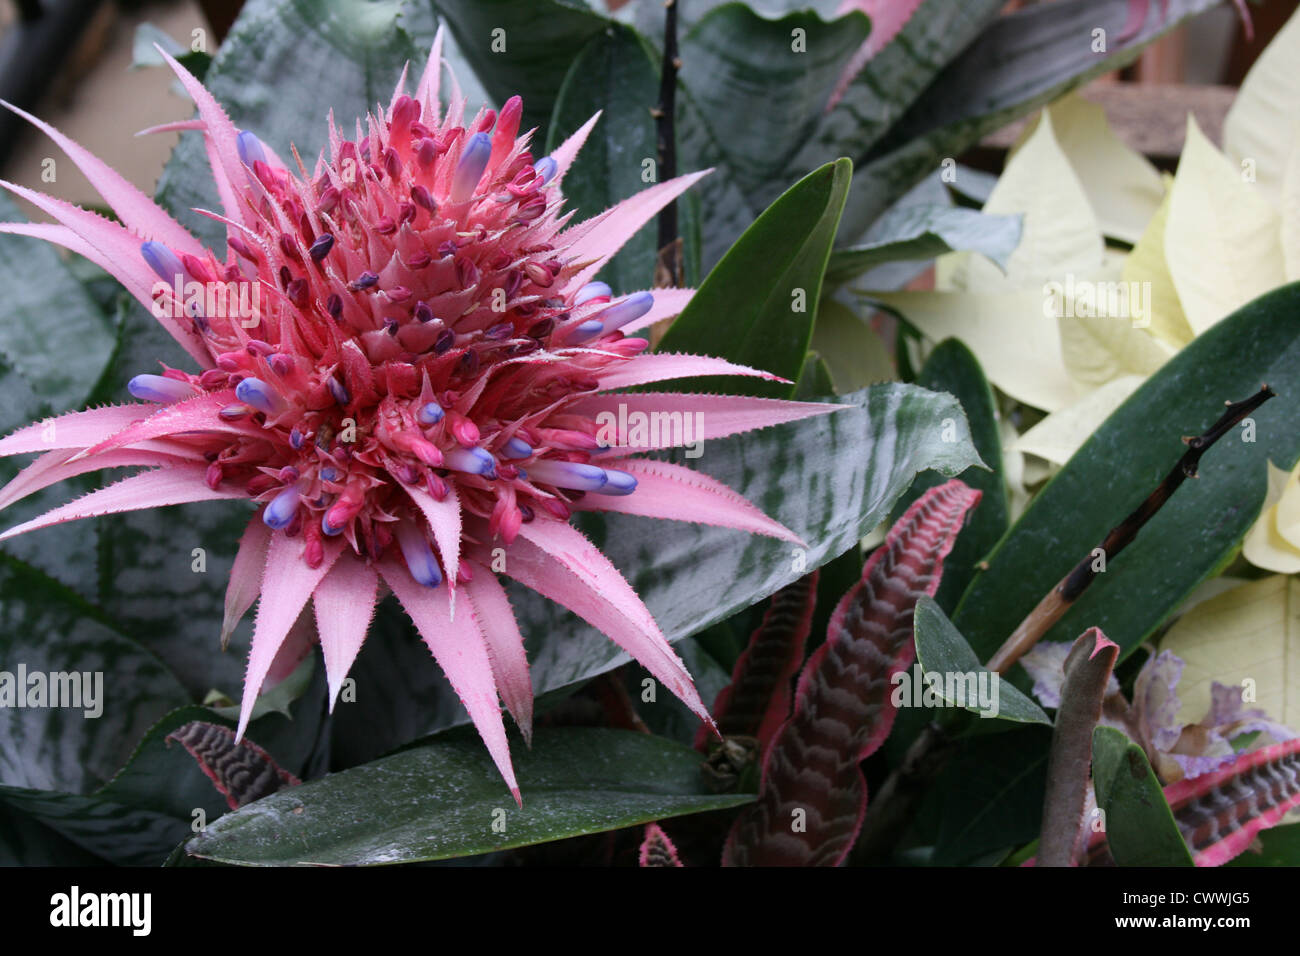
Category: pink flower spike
<point>357,377</point>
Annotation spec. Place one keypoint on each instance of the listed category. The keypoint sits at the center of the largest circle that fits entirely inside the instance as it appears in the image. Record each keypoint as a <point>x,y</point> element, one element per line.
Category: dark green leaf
<point>444,799</point>
<point>770,283</point>
<point>941,650</point>
<point>992,794</point>
<point>1196,533</point>
<point>752,91</point>
<point>24,841</point>
<point>1140,828</point>
<point>613,75</point>
<point>47,629</point>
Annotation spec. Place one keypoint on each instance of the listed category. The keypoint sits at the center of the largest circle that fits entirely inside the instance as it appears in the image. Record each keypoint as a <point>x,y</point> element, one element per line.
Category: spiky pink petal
<point>137,211</point>
<point>505,646</point>
<point>717,415</point>
<point>219,138</point>
<point>672,492</point>
<point>170,485</point>
<point>596,241</point>
<point>458,648</point>
<point>113,248</point>
<point>345,602</point>
<point>558,562</point>
<point>199,414</point>
<point>245,576</point>
<point>72,429</point>
<point>567,152</point>
<point>54,467</point>
<point>287,583</point>
<point>427,90</point>
<point>662,366</point>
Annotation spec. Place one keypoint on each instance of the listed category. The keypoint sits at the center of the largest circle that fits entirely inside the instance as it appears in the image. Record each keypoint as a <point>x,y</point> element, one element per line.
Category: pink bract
<point>421,381</point>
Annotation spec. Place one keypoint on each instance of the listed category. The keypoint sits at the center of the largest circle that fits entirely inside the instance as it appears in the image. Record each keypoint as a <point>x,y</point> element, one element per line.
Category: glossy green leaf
<point>924,232</point>
<point>1140,828</point>
<point>444,799</point>
<point>942,650</point>
<point>25,841</point>
<point>1197,532</point>
<point>992,794</point>
<point>769,283</point>
<point>613,75</point>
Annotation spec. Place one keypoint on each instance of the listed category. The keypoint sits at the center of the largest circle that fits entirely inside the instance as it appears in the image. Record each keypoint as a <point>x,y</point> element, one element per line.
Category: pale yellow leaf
<point>1146,265</point>
<point>1265,545</point>
<point>1060,234</point>
<point>1223,239</point>
<point>1249,633</point>
<point>852,351</point>
<point>1257,129</point>
<point>1123,188</point>
<point>1098,348</point>
<point>1058,436</point>
<point>1291,209</point>
<point>1011,334</point>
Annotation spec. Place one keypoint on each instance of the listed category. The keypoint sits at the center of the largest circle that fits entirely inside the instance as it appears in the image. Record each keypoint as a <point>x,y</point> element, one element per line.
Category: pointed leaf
<point>844,705</point>
<point>1140,828</point>
<point>942,651</point>
<point>772,277</point>
<point>438,801</point>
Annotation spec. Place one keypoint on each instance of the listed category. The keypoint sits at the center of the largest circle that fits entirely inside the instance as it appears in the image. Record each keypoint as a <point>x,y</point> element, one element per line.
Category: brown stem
<point>1057,601</point>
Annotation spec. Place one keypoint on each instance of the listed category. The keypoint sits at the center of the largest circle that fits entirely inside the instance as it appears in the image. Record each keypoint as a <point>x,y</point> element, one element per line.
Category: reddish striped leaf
<point>657,849</point>
<point>813,795</point>
<point>1220,812</point>
<point>243,771</point>
<point>757,700</point>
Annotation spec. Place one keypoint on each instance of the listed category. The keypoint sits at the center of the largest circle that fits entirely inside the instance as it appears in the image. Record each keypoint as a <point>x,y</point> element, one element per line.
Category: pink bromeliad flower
<point>428,372</point>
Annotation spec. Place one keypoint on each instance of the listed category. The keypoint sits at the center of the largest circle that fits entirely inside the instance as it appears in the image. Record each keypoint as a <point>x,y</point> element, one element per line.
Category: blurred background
<point>71,63</point>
